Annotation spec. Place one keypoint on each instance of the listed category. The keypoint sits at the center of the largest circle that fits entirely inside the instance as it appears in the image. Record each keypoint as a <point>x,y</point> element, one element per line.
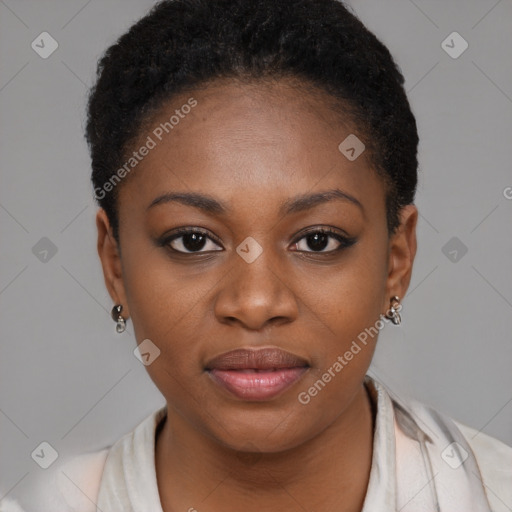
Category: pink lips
<point>256,374</point>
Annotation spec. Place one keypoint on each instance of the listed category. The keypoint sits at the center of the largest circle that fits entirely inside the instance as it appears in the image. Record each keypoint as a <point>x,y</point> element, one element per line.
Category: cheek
<point>350,300</point>
<point>349,307</point>
<point>158,294</point>
<point>165,308</point>
<point>344,355</point>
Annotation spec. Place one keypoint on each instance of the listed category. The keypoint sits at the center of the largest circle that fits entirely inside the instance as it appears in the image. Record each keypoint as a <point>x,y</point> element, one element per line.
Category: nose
<point>256,294</point>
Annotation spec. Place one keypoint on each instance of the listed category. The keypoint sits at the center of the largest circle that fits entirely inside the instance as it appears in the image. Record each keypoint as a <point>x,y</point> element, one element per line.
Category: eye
<point>187,240</point>
<point>322,240</point>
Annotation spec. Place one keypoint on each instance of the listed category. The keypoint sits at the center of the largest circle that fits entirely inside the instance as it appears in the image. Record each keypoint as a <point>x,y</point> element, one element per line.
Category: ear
<point>402,250</point>
<point>109,253</point>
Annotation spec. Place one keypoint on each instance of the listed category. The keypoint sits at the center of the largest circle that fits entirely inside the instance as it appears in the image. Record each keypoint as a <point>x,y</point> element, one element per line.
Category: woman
<point>255,166</point>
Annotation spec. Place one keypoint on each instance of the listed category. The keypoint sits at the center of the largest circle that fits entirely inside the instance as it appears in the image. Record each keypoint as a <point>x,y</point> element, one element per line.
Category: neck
<point>328,471</point>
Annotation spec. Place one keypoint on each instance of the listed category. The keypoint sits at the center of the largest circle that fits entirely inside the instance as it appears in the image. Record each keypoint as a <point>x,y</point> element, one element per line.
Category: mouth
<point>257,374</point>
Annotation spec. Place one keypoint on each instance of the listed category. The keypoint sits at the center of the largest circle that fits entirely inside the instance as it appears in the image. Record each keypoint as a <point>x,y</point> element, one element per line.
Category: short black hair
<point>184,44</point>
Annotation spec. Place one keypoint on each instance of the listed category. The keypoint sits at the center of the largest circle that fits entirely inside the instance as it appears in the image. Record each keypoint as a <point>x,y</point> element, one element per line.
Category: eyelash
<point>166,241</point>
<point>345,241</point>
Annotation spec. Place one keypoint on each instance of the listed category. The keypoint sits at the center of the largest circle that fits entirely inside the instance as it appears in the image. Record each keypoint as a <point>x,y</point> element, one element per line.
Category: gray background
<point>67,378</point>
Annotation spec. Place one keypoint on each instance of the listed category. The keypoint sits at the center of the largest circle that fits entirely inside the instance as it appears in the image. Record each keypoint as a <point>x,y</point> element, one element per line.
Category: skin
<point>253,147</point>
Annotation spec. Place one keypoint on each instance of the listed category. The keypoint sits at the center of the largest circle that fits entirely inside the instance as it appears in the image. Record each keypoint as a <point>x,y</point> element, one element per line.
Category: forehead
<point>265,138</point>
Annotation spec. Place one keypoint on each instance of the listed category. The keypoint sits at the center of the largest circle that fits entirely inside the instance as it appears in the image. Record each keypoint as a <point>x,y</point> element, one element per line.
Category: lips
<point>257,374</point>
<point>257,359</point>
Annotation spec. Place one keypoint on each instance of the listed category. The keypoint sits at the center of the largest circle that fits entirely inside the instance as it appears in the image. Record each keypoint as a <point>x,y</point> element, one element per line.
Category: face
<point>245,228</point>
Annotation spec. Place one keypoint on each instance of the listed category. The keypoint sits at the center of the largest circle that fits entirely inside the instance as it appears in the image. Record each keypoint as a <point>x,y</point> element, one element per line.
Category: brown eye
<point>191,241</point>
<point>323,241</point>
<point>318,241</point>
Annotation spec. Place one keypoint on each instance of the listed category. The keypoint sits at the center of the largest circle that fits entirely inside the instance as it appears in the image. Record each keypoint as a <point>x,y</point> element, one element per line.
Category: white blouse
<point>422,461</point>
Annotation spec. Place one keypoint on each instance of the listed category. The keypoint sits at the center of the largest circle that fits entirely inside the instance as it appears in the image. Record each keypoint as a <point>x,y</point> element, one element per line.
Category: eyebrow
<point>293,205</point>
<point>308,201</point>
<point>200,201</point>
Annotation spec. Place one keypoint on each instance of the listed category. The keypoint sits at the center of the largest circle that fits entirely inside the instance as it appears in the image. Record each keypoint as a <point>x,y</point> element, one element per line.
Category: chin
<point>262,431</point>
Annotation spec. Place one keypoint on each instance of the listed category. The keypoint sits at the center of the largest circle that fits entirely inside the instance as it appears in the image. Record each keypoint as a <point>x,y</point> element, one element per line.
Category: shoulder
<point>78,481</point>
<point>75,484</point>
<point>72,486</point>
<point>492,455</point>
<point>494,458</point>
<point>488,449</point>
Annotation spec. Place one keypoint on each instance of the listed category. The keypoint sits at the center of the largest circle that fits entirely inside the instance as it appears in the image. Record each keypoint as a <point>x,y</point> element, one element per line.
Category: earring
<point>116,316</point>
<point>393,313</point>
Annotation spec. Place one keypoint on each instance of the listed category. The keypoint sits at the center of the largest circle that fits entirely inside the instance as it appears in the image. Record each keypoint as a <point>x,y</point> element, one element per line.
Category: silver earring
<point>116,316</point>
<point>393,313</point>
